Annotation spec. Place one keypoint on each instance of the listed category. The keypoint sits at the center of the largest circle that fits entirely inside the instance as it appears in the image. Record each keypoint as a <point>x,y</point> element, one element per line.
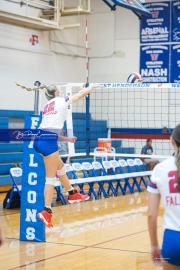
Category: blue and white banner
<point>175,30</point>
<point>175,63</point>
<point>32,194</point>
<point>157,28</point>
<point>154,63</point>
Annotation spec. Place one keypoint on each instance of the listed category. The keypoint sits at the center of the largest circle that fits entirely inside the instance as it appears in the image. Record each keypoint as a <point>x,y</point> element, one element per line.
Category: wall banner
<point>175,33</point>
<point>157,28</point>
<point>175,63</point>
<point>154,63</point>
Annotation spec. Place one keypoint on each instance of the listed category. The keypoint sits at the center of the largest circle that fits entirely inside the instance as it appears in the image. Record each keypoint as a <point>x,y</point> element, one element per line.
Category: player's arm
<point>82,93</point>
<point>67,139</point>
<point>153,208</point>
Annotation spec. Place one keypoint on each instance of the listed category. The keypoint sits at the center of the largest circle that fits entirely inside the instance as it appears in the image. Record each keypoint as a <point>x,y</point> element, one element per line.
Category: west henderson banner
<point>157,27</point>
<point>175,63</point>
<point>154,63</point>
<point>175,30</point>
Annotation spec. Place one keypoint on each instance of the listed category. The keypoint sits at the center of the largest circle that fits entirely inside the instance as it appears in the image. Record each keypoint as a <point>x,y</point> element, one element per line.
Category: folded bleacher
<point>11,153</point>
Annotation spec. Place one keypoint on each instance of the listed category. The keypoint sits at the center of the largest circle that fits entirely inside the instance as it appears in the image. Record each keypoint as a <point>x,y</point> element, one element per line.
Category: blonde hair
<point>176,138</point>
<point>50,91</point>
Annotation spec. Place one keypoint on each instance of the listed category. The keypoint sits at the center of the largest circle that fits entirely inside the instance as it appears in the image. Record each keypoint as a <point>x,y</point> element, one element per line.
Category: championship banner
<point>157,28</point>
<point>175,63</point>
<point>154,63</point>
<point>32,194</point>
<point>175,31</point>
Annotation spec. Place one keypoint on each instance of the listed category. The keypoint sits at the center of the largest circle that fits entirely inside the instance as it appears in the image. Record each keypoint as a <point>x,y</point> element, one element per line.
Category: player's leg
<point>51,165</point>
<point>61,172</point>
<point>151,165</point>
<point>49,150</point>
<point>147,163</point>
<point>156,162</point>
<point>74,195</point>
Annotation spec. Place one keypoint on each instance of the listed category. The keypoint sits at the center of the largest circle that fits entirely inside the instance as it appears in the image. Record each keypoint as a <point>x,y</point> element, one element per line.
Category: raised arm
<point>82,93</point>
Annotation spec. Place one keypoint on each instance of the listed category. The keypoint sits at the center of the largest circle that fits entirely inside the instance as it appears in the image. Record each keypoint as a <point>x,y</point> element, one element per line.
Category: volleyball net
<point>127,114</point>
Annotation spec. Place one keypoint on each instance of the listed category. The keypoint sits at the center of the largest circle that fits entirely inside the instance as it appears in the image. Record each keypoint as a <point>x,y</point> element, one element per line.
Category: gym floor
<point>98,234</point>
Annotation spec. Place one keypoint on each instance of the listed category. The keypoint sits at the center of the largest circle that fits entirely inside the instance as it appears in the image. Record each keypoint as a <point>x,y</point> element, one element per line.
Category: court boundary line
<point>9,214</point>
<point>83,246</point>
<point>124,250</point>
<point>76,250</point>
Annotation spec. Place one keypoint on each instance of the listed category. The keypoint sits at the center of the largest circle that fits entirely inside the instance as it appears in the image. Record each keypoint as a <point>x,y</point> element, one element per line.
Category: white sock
<point>70,189</point>
<point>48,206</point>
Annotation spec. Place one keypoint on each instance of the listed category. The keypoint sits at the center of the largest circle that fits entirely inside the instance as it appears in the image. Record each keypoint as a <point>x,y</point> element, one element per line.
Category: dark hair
<point>148,140</point>
<point>50,91</point>
<point>176,138</point>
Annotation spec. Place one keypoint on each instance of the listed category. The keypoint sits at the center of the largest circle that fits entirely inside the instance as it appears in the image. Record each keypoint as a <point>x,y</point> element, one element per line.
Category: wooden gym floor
<point>94,235</point>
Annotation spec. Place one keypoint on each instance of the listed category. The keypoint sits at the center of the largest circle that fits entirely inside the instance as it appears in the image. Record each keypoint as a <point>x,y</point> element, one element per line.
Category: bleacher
<point>11,153</point>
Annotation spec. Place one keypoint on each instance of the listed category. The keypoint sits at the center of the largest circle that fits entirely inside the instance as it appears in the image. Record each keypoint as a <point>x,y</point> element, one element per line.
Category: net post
<point>87,97</point>
<point>36,98</point>
<point>69,122</point>
<point>87,123</point>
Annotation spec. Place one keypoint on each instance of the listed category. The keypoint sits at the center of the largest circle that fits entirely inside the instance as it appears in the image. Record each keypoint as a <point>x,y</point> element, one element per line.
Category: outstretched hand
<point>93,86</point>
<point>72,140</point>
<point>97,86</point>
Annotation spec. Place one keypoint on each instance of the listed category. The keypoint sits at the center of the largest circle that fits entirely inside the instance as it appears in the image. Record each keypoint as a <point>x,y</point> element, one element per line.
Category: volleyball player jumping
<point>54,114</point>
<point>165,184</point>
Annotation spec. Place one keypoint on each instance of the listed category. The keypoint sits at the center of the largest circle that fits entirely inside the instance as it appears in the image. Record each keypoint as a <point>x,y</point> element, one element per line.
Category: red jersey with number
<point>55,113</point>
<point>164,181</point>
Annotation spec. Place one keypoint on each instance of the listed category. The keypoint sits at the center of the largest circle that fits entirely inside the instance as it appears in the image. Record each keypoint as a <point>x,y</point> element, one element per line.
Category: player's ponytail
<point>50,91</point>
<point>176,137</point>
<point>178,166</point>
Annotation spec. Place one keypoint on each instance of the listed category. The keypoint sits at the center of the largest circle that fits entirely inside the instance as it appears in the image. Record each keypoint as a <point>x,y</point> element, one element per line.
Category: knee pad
<point>50,181</point>
<point>62,171</point>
